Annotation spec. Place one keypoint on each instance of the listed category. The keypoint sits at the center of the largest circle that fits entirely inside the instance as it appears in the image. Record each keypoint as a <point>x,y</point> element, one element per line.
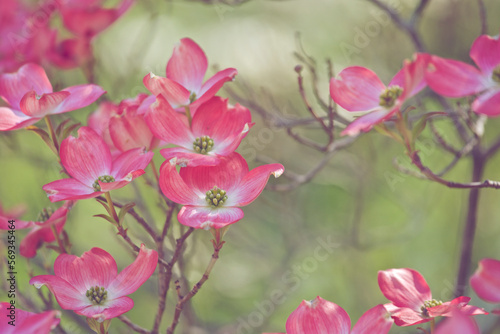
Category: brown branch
<point>133,326</point>
<point>482,15</point>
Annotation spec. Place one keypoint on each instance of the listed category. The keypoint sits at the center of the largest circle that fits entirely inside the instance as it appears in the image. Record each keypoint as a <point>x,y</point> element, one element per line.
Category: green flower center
<point>216,197</point>
<point>390,95</point>
<point>103,179</point>
<point>496,74</point>
<point>45,214</point>
<point>428,304</point>
<point>96,295</point>
<point>203,144</point>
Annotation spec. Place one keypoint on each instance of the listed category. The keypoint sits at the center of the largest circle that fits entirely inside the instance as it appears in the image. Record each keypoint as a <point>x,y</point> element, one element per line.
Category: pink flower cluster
<point>359,89</point>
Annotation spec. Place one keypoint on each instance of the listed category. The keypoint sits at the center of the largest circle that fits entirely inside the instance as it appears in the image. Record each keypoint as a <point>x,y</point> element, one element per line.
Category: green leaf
<point>422,122</point>
<point>381,128</point>
<point>68,130</point>
<point>60,128</point>
<point>108,218</point>
<point>45,137</point>
<point>124,211</point>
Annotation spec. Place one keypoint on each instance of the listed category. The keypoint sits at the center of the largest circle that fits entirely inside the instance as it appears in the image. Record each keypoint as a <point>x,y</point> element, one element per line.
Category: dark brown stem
<point>483,17</point>
<point>470,224</point>
<point>133,326</point>
<point>59,241</point>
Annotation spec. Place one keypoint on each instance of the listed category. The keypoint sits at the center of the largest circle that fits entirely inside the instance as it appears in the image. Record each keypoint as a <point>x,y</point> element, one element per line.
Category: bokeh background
<point>328,237</point>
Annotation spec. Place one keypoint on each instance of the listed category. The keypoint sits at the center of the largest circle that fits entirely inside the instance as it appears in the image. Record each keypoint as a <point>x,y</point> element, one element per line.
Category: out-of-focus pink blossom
<point>486,280</point>
<point>30,97</point>
<point>91,286</point>
<point>212,195</point>
<point>359,89</point>
<point>25,322</point>
<point>454,78</point>
<point>458,323</point>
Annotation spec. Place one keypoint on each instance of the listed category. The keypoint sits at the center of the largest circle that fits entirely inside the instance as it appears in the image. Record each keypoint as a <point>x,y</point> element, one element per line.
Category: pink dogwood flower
<point>91,286</point>
<point>212,195</point>
<point>26,322</point>
<point>41,230</point>
<point>359,89</point>
<point>454,78</point>
<point>183,85</point>
<point>30,97</point>
<point>412,301</point>
<point>321,316</point>
<point>458,323</point>
<point>93,171</point>
<point>13,214</point>
<point>216,130</point>
<point>486,280</point>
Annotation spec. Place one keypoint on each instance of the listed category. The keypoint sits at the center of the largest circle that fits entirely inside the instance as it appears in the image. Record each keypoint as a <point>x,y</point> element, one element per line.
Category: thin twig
<point>482,15</point>
<point>133,326</point>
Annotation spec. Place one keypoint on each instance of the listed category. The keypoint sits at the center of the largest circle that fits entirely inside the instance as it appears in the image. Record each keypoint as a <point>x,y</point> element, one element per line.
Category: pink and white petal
<point>187,65</point>
<point>212,85</point>
<point>69,189</point>
<point>412,76</point>
<point>458,323</point>
<point>67,296</point>
<point>94,267</point>
<point>169,125</point>
<point>173,92</point>
<point>357,89</point>
<point>227,175</point>
<point>112,309</point>
<point>40,323</point>
<point>366,122</point>
<point>404,287</point>
<point>130,161</point>
<point>460,303</point>
<point>488,103</point>
<point>207,116</point>
<point>29,77</point>
<point>187,158</point>
<point>253,184</point>
<point>130,131</point>
<point>404,316</point>
<point>206,217</point>
<point>13,119</point>
<point>105,187</point>
<point>485,52</point>
<point>454,78</point>
<point>230,144</point>
<point>174,187</point>
<point>80,97</point>
<point>375,320</point>
<point>486,280</point>
<point>318,316</point>
<point>145,104</point>
<point>87,157</point>
<point>135,274</point>
<point>35,106</point>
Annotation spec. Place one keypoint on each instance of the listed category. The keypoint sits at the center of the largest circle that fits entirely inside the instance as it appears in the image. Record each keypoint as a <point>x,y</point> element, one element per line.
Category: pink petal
<point>28,322</point>
<point>458,323</point>
<point>29,77</point>
<point>94,267</point>
<point>12,119</point>
<point>412,76</point>
<point>253,183</point>
<point>366,122</point>
<point>68,297</point>
<point>174,187</point>
<point>129,162</point>
<point>488,103</point>
<point>227,175</point>
<point>34,106</point>
<point>105,187</point>
<point>130,131</point>
<point>453,78</point>
<point>226,126</point>
<point>69,189</point>
<point>87,157</point>
<point>404,316</point>
<point>173,92</point>
<point>80,97</point>
<point>404,287</point>
<point>318,316</point>
<point>169,125</point>
<point>485,52</point>
<point>187,65</point>
<point>357,89</point>
<point>188,158</point>
<point>134,275</point>
<point>206,217</point>
<point>486,280</point>
<point>375,320</point>
<point>112,309</point>
<point>212,85</point>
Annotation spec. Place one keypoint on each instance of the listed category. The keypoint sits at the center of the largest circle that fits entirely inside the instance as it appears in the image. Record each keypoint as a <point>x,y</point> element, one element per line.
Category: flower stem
<point>433,325</point>
<point>52,132</point>
<point>188,115</point>
<point>59,241</point>
<point>112,207</point>
<point>155,172</point>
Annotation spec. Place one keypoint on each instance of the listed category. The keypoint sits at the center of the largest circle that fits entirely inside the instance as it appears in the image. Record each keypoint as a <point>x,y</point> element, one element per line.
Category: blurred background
<point>327,237</point>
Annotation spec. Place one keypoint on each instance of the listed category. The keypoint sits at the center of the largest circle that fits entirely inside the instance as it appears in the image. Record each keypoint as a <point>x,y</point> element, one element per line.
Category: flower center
<point>428,304</point>
<point>496,74</point>
<point>390,95</point>
<point>216,197</point>
<point>45,214</point>
<point>203,144</point>
<point>192,97</point>
<point>104,179</point>
<point>96,295</point>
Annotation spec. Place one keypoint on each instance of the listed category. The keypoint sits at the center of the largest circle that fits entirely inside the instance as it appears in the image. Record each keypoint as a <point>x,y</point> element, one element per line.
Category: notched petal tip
<point>277,173</point>
<point>206,225</point>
